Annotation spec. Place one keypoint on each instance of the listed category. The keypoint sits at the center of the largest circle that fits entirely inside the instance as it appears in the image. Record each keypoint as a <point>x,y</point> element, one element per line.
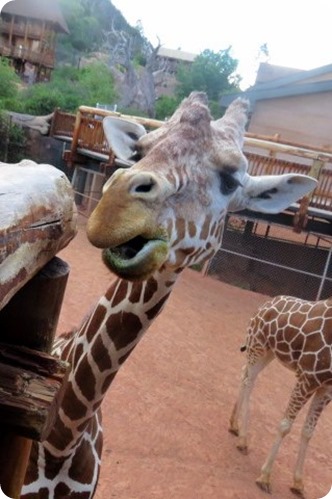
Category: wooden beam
<point>37,219</point>
<point>29,319</point>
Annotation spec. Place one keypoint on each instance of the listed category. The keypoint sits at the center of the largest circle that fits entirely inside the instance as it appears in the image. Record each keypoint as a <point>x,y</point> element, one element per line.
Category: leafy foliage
<point>211,72</point>
<point>8,84</point>
<point>12,141</point>
<point>166,106</point>
<point>69,88</point>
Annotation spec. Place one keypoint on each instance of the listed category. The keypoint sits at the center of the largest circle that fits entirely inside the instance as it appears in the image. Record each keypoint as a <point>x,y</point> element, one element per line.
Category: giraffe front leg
<point>297,400</point>
<point>263,481</point>
<point>318,404</point>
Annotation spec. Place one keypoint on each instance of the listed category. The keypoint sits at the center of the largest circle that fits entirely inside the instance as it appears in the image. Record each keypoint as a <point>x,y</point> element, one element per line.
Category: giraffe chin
<point>134,264</point>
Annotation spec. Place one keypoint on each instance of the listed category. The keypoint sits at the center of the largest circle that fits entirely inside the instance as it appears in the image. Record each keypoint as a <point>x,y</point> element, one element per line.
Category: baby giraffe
<point>299,334</point>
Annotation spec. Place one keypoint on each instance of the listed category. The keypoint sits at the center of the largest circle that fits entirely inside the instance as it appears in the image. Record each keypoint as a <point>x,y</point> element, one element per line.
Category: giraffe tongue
<point>130,249</point>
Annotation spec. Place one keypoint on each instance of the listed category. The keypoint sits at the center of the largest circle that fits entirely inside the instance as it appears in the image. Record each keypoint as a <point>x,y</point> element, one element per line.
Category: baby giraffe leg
<point>240,414</point>
<point>297,400</point>
<point>321,398</point>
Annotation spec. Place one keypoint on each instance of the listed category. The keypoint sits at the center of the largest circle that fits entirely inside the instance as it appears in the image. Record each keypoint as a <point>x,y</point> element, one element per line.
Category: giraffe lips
<point>137,258</point>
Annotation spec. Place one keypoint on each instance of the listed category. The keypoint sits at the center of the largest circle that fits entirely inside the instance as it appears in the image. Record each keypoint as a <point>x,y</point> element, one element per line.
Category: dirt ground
<point>166,414</point>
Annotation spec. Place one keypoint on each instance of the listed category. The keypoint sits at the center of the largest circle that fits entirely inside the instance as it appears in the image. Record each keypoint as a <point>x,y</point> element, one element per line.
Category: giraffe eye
<point>228,183</point>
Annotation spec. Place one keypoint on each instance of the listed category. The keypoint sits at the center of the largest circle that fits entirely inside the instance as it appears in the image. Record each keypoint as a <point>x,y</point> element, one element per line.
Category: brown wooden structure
<point>38,218</point>
<point>28,31</point>
<point>266,155</point>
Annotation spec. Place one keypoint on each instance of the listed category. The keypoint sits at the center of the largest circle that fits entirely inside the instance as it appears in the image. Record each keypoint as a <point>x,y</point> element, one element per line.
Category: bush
<point>165,106</point>
<point>8,84</point>
<point>12,141</point>
<point>70,88</point>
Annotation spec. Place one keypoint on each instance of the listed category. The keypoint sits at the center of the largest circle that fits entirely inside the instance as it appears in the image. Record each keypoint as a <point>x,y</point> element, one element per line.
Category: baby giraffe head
<point>167,210</point>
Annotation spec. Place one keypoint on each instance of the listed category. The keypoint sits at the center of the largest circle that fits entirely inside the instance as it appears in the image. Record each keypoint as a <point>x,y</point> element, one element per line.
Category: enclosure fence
<point>273,260</point>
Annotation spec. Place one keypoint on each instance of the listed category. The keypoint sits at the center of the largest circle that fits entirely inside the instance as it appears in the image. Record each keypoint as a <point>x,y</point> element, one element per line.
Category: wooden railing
<point>46,58</point>
<point>85,130</point>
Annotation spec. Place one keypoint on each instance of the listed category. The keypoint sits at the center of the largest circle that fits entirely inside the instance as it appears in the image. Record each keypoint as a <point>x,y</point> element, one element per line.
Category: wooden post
<point>29,319</point>
<point>76,132</point>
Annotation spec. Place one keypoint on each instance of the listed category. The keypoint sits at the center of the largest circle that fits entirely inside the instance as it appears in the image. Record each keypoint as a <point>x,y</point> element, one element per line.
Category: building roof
<point>46,10</point>
<point>293,82</point>
<point>178,55</point>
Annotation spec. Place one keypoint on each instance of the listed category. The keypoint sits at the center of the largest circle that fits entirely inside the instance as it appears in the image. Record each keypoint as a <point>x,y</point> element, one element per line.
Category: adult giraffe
<point>163,214</point>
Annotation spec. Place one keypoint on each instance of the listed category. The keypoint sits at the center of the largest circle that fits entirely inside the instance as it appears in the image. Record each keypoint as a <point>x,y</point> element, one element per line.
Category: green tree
<point>211,72</point>
<point>165,106</point>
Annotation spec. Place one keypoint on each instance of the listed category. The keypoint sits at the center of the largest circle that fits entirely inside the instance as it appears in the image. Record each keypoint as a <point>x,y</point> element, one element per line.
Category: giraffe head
<point>167,210</point>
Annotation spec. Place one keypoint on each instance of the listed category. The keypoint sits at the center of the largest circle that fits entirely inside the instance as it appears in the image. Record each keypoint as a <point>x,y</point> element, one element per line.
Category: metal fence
<point>272,259</point>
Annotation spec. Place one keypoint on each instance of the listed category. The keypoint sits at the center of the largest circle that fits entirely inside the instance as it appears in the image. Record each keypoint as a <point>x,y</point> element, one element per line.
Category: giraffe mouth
<point>137,258</point>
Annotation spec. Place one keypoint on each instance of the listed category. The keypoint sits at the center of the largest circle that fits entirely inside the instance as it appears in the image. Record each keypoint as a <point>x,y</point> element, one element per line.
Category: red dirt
<point>166,414</point>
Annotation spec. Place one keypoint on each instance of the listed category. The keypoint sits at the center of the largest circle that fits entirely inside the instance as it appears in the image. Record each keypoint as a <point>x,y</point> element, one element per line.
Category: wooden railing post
<point>76,132</point>
<point>29,319</point>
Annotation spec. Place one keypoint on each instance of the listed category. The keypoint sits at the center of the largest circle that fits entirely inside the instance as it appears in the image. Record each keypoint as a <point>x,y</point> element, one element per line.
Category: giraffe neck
<point>100,347</point>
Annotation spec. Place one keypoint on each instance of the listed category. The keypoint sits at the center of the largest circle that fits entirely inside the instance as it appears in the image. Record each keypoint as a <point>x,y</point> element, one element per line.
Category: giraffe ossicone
<point>299,334</point>
<point>154,219</point>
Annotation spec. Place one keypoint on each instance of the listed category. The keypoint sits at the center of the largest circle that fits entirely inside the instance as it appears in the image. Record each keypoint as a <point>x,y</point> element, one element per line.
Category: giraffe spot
<point>123,328</point>
<point>85,379</point>
<point>71,405</point>
<point>82,466</point>
<point>153,312</point>
<point>204,234</point>
<point>101,355</point>
<point>307,361</point>
<point>60,435</point>
<point>314,324</point>
<point>54,465</point>
<point>135,293</point>
<point>120,294</point>
<point>324,376</point>
<point>95,322</point>
<point>324,359</point>
<point>108,380</point>
<point>314,342</point>
<point>180,230</point>
<point>192,229</point>
<point>150,289</point>
<point>62,490</point>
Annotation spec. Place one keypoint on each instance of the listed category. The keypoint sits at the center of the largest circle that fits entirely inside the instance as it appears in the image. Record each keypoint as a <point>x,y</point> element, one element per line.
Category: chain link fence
<point>272,260</point>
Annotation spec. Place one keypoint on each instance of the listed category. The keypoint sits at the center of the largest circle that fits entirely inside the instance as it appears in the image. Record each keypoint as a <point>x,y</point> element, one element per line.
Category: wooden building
<point>28,32</point>
<point>295,105</point>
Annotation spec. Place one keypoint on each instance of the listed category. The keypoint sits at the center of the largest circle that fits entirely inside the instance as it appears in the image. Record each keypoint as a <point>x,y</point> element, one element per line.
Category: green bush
<point>70,88</point>
<point>165,106</point>
<point>8,84</point>
<point>12,141</point>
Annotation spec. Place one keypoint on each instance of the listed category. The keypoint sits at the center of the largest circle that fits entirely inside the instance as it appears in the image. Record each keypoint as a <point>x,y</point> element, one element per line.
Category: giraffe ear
<point>122,137</point>
<point>271,193</point>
